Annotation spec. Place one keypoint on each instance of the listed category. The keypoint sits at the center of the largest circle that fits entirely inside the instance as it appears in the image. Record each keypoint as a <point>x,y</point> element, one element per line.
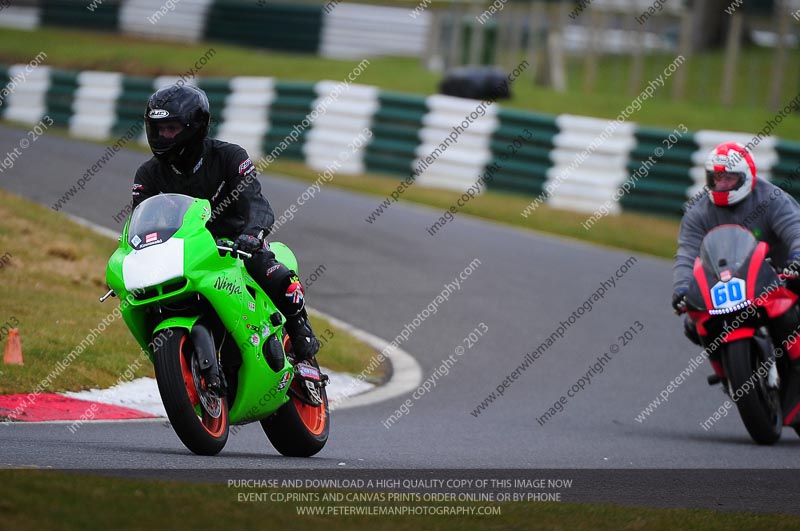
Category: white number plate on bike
<point>728,294</point>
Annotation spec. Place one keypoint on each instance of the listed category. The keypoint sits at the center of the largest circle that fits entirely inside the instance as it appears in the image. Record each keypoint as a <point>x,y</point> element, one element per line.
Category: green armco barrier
<point>105,15</point>
<point>664,188</point>
<point>395,133</point>
<point>397,130</point>
<point>131,103</point>
<point>295,28</point>
<point>662,174</point>
<point>217,90</point>
<point>533,151</point>
<point>786,173</point>
<point>513,117</point>
<point>542,137</point>
<point>391,156</point>
<point>648,139</point>
<point>60,96</point>
<point>300,88</point>
<point>5,79</point>
<point>514,176</point>
<point>398,99</point>
<point>292,104</point>
<point>521,147</point>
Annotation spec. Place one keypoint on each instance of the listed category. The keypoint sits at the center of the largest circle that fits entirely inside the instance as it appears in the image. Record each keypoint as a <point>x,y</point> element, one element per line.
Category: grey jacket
<point>772,214</point>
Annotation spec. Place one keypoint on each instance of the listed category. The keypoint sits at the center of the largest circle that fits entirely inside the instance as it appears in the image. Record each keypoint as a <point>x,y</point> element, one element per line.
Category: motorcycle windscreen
<point>725,249</point>
<point>157,219</point>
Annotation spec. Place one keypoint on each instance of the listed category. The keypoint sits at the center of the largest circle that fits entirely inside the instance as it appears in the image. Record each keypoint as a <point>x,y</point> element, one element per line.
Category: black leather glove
<point>248,243</point>
<point>679,300</point>
<point>792,269</point>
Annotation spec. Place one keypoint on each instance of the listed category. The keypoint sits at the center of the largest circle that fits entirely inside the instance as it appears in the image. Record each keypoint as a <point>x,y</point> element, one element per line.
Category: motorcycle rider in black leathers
<point>735,196</point>
<point>187,162</point>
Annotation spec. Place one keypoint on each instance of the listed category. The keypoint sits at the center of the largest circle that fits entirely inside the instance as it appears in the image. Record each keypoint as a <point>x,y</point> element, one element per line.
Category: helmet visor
<point>167,128</point>
<point>724,181</point>
<point>165,134</point>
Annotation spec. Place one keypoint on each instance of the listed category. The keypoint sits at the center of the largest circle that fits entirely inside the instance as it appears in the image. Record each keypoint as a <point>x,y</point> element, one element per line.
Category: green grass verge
<point>51,500</point>
<point>52,277</point>
<point>84,49</point>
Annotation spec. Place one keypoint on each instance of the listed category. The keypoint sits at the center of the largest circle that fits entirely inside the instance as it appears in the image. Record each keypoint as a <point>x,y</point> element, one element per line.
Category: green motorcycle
<point>217,342</point>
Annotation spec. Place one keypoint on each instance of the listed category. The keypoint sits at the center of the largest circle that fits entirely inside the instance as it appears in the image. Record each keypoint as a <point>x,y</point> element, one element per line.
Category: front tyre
<point>200,419</point>
<point>759,405</point>
<point>298,429</point>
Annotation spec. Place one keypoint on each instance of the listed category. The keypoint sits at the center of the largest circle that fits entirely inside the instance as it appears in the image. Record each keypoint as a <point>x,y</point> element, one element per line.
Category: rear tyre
<point>199,418</point>
<point>298,429</point>
<point>759,406</point>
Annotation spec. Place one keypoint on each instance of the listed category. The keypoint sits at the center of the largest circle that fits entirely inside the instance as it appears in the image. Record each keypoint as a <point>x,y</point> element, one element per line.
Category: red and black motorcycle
<point>734,295</point>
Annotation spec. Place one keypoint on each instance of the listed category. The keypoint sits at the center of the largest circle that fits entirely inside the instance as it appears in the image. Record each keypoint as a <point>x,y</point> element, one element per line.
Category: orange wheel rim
<point>314,418</point>
<point>287,343</point>
<point>186,371</point>
<point>214,426</point>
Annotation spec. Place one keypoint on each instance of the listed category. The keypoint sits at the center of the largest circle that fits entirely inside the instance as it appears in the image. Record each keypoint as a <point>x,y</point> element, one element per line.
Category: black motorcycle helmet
<point>188,106</point>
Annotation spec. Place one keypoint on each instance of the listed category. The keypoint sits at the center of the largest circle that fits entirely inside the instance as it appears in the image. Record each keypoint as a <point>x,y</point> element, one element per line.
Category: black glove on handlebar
<point>679,300</point>
<point>248,243</point>
<point>792,269</point>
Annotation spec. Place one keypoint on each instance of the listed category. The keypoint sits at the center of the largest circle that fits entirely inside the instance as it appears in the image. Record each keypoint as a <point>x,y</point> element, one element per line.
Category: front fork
<point>766,362</point>
<point>205,349</point>
<point>767,357</point>
<point>207,358</point>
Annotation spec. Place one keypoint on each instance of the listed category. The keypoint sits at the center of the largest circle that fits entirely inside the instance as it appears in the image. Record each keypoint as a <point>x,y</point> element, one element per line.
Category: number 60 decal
<point>726,294</point>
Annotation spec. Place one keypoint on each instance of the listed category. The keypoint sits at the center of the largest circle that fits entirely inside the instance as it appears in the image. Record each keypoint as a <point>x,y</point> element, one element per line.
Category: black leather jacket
<point>225,176</point>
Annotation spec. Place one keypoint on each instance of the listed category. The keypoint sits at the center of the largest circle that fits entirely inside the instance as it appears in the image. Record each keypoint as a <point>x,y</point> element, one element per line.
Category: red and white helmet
<point>730,173</point>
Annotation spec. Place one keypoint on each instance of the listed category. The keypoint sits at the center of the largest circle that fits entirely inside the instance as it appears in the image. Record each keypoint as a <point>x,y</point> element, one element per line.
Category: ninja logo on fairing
<point>227,285</point>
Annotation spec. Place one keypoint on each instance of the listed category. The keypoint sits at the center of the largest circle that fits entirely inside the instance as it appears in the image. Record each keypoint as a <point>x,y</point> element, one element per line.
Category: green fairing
<point>225,283</point>
<point>285,256</point>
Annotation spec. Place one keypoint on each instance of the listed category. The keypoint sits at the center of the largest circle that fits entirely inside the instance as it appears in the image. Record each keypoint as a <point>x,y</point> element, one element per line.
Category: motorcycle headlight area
<point>731,309</point>
<point>153,265</point>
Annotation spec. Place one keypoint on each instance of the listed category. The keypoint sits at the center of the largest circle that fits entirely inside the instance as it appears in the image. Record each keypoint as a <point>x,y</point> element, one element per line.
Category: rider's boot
<point>305,346</point>
<point>304,342</point>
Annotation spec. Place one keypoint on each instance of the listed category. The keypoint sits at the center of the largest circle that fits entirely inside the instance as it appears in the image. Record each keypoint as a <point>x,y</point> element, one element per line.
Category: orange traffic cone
<point>13,355</point>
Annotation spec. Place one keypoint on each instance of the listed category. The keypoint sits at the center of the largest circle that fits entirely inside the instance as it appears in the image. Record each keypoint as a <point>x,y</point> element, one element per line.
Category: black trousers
<point>784,330</point>
<point>275,279</point>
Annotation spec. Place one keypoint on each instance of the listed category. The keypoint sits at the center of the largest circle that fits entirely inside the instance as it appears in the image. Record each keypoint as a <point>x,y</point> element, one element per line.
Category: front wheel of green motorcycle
<point>199,418</point>
<point>299,429</point>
